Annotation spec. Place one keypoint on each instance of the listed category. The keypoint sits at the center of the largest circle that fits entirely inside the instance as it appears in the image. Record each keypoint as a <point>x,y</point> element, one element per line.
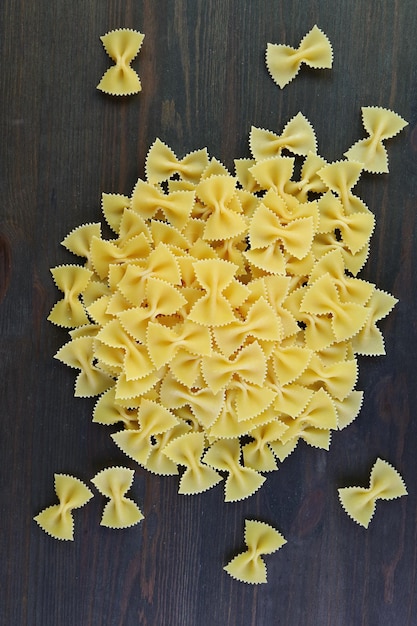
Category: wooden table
<point>62,144</point>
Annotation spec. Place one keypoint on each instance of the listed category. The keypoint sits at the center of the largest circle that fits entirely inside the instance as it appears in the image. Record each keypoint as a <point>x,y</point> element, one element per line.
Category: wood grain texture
<point>62,144</point>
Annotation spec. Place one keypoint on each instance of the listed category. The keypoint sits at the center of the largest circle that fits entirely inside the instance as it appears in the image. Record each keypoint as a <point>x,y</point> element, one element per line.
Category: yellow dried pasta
<point>72,280</point>
<point>57,520</point>
<point>249,566</point>
<point>113,483</point>
<point>242,482</point>
<point>380,124</point>
<point>187,450</point>
<point>162,163</point>
<point>79,353</point>
<point>221,325</point>
<point>385,484</point>
<point>152,419</point>
<point>122,45</point>
<point>222,322</point>
<point>298,136</point>
<point>283,62</point>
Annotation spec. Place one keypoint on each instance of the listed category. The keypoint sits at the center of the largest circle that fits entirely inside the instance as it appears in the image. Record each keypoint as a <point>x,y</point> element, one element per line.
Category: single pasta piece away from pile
<point>284,62</point>
<point>57,520</point>
<point>380,124</point>
<point>260,539</point>
<point>221,323</point>
<point>385,484</point>
<point>122,46</point>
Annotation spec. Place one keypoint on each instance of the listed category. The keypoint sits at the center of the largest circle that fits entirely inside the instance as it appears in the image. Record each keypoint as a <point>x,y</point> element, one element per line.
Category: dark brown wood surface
<point>62,144</point>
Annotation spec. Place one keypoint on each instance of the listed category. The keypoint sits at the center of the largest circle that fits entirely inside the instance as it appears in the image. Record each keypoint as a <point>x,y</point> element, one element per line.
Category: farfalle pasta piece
<point>267,230</point>
<point>257,454</point>
<point>242,482</point>
<point>355,228</point>
<point>57,520</point>
<point>298,136</point>
<point>380,124</point>
<point>161,263</point>
<point>319,415</point>
<point>260,323</point>
<point>79,354</point>
<point>250,399</point>
<point>157,462</point>
<point>385,484</point>
<point>290,361</point>
<point>310,181</point>
<point>340,177</point>
<point>148,199</point>
<point>113,206</point>
<point>204,404</point>
<point>105,253</point>
<point>119,512</point>
<point>283,62</point>
<point>153,419</point>
<point>224,212</point>
<point>322,244</point>
<point>348,409</point>
<point>134,356</point>
<point>162,163</point>
<point>322,298</point>
<point>260,539</point>
<point>369,340</point>
<point>244,175</point>
<point>187,450</point>
<point>249,364</point>
<point>122,46</point>
<point>78,241</point>
<point>163,343</point>
<point>213,308</point>
<point>72,280</point>
<point>274,173</point>
<point>107,411</point>
<point>349,289</point>
<point>161,299</point>
<point>338,378</point>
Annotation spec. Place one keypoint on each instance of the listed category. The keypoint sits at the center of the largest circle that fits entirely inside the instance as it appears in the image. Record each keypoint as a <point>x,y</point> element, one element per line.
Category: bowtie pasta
<point>249,566</point>
<point>283,62</point>
<point>57,520</point>
<point>122,45</point>
<point>385,484</point>
<point>222,322</point>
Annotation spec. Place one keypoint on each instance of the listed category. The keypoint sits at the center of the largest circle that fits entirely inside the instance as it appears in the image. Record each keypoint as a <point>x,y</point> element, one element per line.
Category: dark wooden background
<point>62,143</point>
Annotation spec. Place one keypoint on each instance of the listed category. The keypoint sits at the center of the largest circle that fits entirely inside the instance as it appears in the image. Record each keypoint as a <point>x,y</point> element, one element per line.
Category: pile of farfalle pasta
<point>221,323</point>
